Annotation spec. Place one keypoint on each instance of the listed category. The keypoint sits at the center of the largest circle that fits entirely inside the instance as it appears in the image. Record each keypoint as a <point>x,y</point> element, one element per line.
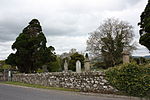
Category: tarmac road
<point>11,92</point>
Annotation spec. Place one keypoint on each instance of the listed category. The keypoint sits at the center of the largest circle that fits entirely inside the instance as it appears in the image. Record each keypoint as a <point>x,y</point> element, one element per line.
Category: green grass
<point>38,86</point>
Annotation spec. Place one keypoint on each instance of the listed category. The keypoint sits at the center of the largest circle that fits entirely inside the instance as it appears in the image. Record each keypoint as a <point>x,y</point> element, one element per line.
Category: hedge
<point>130,78</point>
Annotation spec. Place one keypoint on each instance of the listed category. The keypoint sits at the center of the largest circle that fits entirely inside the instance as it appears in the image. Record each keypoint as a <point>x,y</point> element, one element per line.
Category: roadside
<point>35,86</point>
<point>64,90</point>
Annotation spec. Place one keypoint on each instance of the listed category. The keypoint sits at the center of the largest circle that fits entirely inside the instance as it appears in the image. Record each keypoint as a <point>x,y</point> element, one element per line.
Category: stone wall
<point>85,81</point>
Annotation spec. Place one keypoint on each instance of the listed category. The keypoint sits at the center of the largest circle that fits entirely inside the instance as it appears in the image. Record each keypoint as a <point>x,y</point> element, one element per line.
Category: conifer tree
<point>145,27</point>
<point>31,51</point>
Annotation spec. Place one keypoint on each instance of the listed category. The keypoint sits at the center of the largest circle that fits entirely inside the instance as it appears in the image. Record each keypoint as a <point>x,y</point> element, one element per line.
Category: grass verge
<point>38,86</point>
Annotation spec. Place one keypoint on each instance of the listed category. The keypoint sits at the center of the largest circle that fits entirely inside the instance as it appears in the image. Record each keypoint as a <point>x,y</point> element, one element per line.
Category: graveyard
<point>59,50</point>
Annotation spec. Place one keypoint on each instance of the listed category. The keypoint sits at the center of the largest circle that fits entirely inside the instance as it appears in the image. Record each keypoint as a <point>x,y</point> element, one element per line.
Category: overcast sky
<point>65,23</point>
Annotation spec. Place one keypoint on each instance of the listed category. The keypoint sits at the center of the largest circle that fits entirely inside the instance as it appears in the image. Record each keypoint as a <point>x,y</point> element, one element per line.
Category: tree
<point>109,41</point>
<point>31,51</point>
<point>72,62</point>
<point>2,62</point>
<point>4,66</point>
<point>145,27</point>
<point>55,66</point>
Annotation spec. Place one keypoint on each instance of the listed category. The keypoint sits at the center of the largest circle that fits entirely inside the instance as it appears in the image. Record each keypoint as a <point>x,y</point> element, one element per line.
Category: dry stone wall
<point>85,81</point>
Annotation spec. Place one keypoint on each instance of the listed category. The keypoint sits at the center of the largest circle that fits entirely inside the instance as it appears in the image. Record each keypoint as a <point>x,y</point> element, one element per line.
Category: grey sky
<point>66,23</point>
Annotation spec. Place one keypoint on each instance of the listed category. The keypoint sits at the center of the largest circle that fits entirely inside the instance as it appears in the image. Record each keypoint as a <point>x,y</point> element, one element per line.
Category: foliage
<point>6,66</point>
<point>74,58</point>
<point>100,65</point>
<point>139,60</point>
<point>54,66</point>
<point>2,62</point>
<point>145,40</point>
<point>31,51</point>
<point>40,70</point>
<point>145,27</point>
<point>109,40</point>
<point>87,56</point>
<point>130,78</point>
<point>3,66</point>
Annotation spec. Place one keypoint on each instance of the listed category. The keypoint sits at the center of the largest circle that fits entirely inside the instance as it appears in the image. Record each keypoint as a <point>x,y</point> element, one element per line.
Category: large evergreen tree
<point>145,27</point>
<point>31,51</point>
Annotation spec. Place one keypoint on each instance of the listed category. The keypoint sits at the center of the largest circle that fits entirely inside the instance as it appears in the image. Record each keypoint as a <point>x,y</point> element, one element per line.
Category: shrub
<point>40,70</point>
<point>130,78</point>
<point>100,65</point>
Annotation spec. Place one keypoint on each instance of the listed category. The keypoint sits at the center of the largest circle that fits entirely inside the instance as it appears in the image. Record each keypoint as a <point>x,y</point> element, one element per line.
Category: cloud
<point>65,23</point>
<point>141,51</point>
<point>60,17</point>
<point>5,49</point>
<point>65,43</point>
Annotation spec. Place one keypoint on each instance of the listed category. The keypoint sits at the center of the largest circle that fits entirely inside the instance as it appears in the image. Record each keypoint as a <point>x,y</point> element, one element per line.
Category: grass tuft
<point>38,86</point>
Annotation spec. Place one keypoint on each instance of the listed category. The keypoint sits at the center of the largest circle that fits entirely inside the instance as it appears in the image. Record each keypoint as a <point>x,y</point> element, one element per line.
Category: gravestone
<point>9,75</point>
<point>78,66</point>
<point>126,57</point>
<point>87,63</point>
<point>65,66</point>
<point>44,67</point>
<point>5,75</point>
